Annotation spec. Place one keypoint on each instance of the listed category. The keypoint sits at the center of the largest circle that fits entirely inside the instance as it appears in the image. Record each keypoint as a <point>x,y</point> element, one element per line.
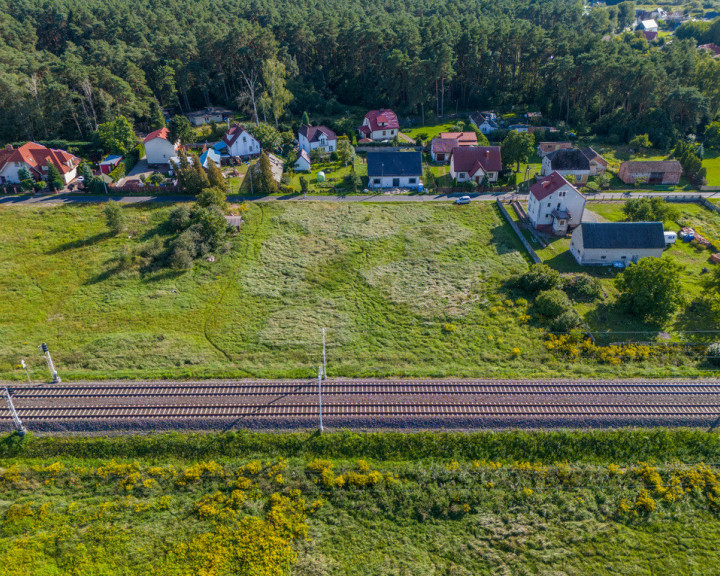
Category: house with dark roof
<point>714,49</point>
<point>239,143</point>
<point>158,148</point>
<point>394,169</point>
<point>571,162</point>
<point>208,115</point>
<point>36,158</point>
<point>486,122</point>
<point>555,205</point>
<point>650,172</point>
<point>379,125</point>
<point>317,137</point>
<point>544,148</point>
<point>603,243</point>
<point>441,148</point>
<point>472,163</point>
<point>598,164</point>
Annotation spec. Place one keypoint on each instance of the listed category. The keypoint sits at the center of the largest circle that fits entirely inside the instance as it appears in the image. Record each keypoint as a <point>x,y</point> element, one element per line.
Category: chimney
<point>487,153</point>
<point>8,147</point>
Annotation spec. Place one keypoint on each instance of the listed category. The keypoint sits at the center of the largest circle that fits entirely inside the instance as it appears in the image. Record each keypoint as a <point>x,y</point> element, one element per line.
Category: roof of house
<point>650,36</point>
<point>159,133</point>
<point>36,156</point>
<point>613,235</point>
<point>444,145</point>
<point>463,138</point>
<point>479,118</point>
<point>210,154</point>
<point>549,184</point>
<point>233,133</point>
<point>112,159</point>
<point>304,155</point>
<point>375,117</point>
<point>648,24</point>
<point>591,155</point>
<point>645,166</point>
<point>470,158</point>
<point>519,127</point>
<point>210,111</point>
<point>312,133</point>
<point>394,164</point>
<point>568,159</point>
<point>712,47</point>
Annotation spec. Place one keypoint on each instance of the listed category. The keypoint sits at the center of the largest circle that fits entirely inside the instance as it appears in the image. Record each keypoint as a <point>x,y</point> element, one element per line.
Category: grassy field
<point>458,504</point>
<point>335,173</point>
<point>431,130</point>
<point>712,163</point>
<point>403,290</point>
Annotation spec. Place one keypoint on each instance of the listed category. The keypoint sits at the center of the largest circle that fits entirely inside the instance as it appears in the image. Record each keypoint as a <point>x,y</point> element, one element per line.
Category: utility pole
<point>324,358</point>
<point>44,349</point>
<point>320,373</point>
<point>19,428</point>
<point>22,363</point>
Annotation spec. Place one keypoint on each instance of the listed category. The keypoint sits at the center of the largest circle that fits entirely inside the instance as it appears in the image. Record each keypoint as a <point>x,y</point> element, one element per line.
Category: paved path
<point>55,199</point>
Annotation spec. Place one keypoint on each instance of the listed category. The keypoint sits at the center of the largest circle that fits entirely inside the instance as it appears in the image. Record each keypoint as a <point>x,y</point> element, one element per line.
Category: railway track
<point>371,410</point>
<point>353,388</point>
<point>365,403</point>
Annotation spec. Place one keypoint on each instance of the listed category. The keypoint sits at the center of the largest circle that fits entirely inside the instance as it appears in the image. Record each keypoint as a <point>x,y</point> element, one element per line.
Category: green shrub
<point>179,218</point>
<point>115,217</point>
<point>566,321</point>
<point>582,287</point>
<point>713,353</point>
<point>538,277</point>
<point>552,303</point>
<point>118,172</point>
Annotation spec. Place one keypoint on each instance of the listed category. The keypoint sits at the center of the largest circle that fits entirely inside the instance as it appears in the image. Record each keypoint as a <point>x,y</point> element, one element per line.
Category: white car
<point>463,200</point>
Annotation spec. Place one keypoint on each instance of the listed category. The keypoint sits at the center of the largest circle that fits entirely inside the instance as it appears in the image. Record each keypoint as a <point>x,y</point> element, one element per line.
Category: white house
<point>208,115</point>
<point>158,148</point>
<point>485,122</point>
<point>394,169</point>
<point>567,162</point>
<point>314,137</point>
<point>239,143</point>
<point>36,158</point>
<point>474,162</point>
<point>303,163</point>
<point>648,26</point>
<point>603,243</point>
<point>379,125</point>
<point>555,205</point>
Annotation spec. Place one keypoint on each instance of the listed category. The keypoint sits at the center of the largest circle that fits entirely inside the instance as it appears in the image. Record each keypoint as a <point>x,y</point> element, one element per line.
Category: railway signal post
<point>44,349</point>
<point>19,428</point>
<point>320,374</point>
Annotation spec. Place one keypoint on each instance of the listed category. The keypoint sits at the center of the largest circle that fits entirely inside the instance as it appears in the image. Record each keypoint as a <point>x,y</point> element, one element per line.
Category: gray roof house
<point>567,162</point>
<point>394,169</point>
<point>603,243</point>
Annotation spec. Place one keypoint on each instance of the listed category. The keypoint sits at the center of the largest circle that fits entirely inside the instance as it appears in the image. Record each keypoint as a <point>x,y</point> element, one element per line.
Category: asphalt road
<point>57,199</point>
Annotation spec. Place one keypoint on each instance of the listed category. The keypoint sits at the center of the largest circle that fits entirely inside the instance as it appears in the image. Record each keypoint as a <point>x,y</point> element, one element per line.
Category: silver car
<point>463,200</point>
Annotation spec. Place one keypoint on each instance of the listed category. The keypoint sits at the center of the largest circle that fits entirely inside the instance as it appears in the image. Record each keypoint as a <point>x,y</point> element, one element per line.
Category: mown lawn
<point>335,174</point>
<point>571,503</point>
<point>430,131</point>
<point>712,163</point>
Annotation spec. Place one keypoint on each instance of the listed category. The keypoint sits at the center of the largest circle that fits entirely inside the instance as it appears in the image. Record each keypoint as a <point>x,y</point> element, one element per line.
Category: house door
<point>441,157</point>
<point>396,182</point>
<point>655,178</point>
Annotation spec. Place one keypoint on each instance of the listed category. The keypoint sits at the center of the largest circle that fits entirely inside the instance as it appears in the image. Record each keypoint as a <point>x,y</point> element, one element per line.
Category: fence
<point>533,255</point>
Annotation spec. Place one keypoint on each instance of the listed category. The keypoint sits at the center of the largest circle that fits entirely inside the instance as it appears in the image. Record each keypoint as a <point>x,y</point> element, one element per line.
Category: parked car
<point>463,200</point>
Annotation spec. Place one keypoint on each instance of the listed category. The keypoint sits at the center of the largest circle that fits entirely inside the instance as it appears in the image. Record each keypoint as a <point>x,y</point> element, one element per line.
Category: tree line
<point>68,67</point>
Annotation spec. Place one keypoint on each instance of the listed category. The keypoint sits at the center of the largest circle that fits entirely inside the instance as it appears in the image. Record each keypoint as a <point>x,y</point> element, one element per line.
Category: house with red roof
<point>379,125</point>
<point>317,137</point>
<point>472,163</point>
<point>239,143</point>
<point>158,148</point>
<point>463,138</point>
<point>36,158</point>
<point>555,205</point>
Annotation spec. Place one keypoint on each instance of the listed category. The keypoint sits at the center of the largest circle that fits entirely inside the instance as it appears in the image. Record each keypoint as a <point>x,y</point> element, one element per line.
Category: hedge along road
<point>55,199</point>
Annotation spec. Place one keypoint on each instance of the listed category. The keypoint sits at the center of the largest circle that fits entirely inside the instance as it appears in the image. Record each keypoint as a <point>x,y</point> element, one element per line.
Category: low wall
<point>533,255</point>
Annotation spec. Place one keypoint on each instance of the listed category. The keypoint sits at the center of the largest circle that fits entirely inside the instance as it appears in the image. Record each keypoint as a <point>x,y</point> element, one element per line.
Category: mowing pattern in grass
<point>225,504</point>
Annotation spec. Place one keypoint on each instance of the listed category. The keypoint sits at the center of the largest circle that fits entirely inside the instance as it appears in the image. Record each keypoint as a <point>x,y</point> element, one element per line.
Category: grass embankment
<point>378,504</point>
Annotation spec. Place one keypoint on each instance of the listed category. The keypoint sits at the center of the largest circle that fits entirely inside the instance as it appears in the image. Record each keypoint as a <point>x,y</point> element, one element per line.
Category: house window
<point>548,204</point>
<point>603,257</point>
<point>412,180</point>
<point>623,257</point>
<point>376,181</point>
<point>244,139</point>
<point>384,132</point>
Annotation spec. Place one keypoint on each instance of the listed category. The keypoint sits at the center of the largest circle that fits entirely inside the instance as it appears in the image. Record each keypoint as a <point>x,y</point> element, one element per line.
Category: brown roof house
<point>441,148</point>
<point>598,164</point>
<point>650,172</point>
<point>474,162</point>
<point>463,138</point>
<point>544,148</point>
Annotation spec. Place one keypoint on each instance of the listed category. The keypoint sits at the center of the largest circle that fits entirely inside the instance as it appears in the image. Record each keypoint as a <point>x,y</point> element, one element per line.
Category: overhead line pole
<point>320,372</point>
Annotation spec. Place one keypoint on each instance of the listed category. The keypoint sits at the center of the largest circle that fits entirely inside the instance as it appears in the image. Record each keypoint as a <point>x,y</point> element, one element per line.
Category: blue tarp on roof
<point>211,153</point>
